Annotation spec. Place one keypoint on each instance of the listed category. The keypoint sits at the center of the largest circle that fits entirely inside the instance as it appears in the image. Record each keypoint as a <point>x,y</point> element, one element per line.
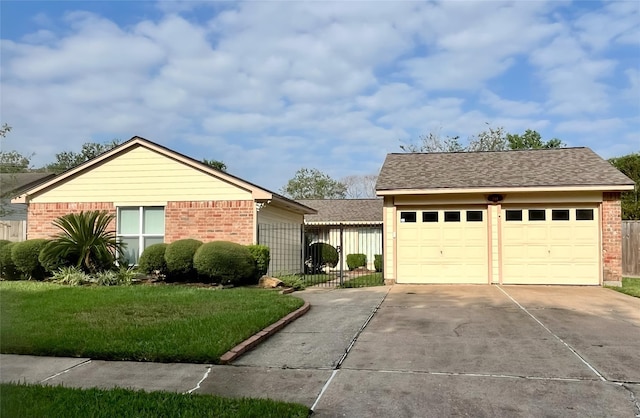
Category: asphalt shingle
<point>526,168</point>
<point>344,210</point>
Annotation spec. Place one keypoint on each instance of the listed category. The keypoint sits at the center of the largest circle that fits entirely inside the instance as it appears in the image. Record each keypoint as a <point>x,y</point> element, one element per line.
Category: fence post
<point>303,250</point>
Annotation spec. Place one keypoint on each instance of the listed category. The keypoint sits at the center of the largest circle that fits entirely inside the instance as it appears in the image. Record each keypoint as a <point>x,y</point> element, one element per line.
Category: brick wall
<point>40,216</point>
<point>611,237</point>
<point>210,220</point>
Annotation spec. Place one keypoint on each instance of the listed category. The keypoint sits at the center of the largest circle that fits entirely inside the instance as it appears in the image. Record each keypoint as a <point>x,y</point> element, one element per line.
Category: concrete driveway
<point>415,351</point>
<point>493,351</point>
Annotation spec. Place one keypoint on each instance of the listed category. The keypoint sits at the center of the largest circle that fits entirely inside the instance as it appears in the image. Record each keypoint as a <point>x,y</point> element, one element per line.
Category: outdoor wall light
<point>495,198</point>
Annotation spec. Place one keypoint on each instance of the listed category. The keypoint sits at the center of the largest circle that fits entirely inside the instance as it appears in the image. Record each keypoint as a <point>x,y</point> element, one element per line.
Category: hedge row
<point>21,260</point>
<point>189,260</point>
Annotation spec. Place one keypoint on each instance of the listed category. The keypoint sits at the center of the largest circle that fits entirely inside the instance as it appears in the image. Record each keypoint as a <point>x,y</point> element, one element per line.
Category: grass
<point>374,279</point>
<point>300,282</point>
<point>142,323</point>
<point>20,400</point>
<point>630,286</point>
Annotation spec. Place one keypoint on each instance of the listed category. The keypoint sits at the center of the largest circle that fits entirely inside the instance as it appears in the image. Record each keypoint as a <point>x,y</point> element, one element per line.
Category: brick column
<point>612,239</point>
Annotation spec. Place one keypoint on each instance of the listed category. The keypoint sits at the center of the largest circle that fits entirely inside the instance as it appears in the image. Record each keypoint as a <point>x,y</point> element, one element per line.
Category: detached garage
<point>547,216</point>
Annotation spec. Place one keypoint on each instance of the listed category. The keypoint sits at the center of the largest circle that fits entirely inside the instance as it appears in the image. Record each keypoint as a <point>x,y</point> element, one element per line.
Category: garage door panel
<point>449,252</point>
<point>550,251</point>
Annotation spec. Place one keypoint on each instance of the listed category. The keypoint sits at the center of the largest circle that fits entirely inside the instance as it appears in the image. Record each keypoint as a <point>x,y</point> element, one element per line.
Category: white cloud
<point>269,87</point>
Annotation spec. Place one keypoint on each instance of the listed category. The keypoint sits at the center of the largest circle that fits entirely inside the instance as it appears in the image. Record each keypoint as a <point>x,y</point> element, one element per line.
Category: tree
<point>532,140</point>
<point>433,142</point>
<point>14,162</point>
<point>491,139</point>
<point>313,184</point>
<point>85,241</point>
<point>630,165</point>
<point>67,160</point>
<point>218,165</point>
<point>360,187</point>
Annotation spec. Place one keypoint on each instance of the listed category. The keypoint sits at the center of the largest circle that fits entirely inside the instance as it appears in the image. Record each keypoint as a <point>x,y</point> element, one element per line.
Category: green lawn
<point>374,279</point>
<point>46,401</point>
<point>143,323</point>
<point>629,286</point>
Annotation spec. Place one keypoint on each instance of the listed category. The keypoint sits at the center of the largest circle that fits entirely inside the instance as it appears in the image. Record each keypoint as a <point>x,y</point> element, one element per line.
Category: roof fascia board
<point>603,188</point>
<point>292,204</point>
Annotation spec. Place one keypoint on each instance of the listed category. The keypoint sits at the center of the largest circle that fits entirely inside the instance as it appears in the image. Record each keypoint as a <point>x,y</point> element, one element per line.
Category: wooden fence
<point>631,248</point>
<point>13,230</point>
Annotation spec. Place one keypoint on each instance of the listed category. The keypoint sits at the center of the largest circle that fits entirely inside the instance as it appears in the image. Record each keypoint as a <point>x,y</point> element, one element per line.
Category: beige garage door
<point>442,245</point>
<point>550,245</point>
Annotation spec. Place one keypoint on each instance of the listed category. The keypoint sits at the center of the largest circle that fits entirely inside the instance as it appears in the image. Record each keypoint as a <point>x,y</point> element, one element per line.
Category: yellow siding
<point>270,214</point>
<point>495,244</point>
<point>280,231</point>
<point>389,212</point>
<point>510,198</point>
<point>141,176</point>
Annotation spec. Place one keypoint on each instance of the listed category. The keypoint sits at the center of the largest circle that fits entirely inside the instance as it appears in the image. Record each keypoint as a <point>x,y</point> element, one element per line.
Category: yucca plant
<point>85,241</point>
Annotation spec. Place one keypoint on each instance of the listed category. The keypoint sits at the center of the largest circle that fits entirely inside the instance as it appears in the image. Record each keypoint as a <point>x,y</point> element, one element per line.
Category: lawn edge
<point>251,342</point>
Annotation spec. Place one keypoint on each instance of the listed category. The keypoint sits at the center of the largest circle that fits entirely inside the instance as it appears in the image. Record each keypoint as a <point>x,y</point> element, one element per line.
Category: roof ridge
<point>489,151</point>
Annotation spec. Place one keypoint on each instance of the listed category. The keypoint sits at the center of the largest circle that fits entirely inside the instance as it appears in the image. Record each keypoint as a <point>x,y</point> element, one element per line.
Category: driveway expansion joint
<point>575,353</point>
<point>262,335</point>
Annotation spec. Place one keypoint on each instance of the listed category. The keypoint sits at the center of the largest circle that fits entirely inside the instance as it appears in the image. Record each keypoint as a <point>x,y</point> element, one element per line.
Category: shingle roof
<point>333,211</point>
<point>526,168</point>
<point>16,182</point>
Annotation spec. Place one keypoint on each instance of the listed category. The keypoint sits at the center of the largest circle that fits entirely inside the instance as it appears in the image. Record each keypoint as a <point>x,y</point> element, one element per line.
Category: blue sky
<point>270,87</point>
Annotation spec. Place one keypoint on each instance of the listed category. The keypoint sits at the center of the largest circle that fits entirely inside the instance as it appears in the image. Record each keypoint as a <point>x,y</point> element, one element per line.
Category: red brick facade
<point>228,220</point>
<point>611,237</point>
<point>40,216</point>
<point>207,221</point>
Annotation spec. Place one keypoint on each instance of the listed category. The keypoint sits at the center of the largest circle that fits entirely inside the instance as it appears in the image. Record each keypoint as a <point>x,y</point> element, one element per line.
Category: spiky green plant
<point>85,240</point>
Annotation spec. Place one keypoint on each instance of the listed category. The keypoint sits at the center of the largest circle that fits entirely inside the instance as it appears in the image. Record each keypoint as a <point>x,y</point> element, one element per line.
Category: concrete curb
<point>256,339</point>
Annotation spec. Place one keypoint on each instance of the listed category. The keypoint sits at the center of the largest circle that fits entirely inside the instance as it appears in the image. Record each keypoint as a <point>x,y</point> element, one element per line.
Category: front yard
<point>630,286</point>
<point>143,323</point>
<point>37,401</point>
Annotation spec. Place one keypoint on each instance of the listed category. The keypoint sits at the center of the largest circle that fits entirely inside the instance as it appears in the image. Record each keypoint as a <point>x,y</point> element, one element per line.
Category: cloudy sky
<point>270,87</point>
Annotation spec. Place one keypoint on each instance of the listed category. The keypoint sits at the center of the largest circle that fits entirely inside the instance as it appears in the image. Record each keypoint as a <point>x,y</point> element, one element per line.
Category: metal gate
<point>333,255</point>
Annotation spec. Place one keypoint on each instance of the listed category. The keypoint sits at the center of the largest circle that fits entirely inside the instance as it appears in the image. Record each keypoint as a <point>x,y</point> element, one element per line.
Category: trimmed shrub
<point>152,259</point>
<point>179,258</point>
<point>261,255</point>
<point>377,262</point>
<point>356,260</point>
<point>321,255</point>
<point>25,256</point>
<point>8,269</point>
<point>225,262</point>
<point>51,263</point>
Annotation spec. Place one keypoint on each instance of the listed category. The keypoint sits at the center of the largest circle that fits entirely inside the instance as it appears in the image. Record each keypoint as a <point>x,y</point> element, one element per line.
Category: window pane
<point>537,215</point>
<point>152,240</point>
<point>514,215</point>
<point>452,216</point>
<point>129,221</point>
<point>153,221</point>
<point>407,216</point>
<point>132,250</point>
<point>429,216</point>
<point>474,216</point>
<point>560,214</point>
<point>584,214</point>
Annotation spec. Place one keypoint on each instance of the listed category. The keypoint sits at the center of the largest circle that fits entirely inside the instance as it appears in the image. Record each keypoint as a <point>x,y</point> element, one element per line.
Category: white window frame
<point>140,235</point>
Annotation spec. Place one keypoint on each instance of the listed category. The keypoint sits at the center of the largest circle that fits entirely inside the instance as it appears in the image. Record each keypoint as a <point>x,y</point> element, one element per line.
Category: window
<point>514,215</point>
<point>584,214</point>
<point>537,215</point>
<point>560,215</point>
<point>140,227</point>
<point>452,216</point>
<point>474,216</point>
<point>429,216</point>
<point>407,217</point>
